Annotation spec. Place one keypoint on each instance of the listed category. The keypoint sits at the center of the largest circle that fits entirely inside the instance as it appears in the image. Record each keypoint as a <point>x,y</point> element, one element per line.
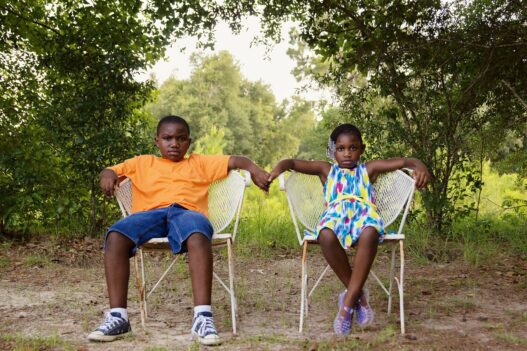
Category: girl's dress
<point>349,200</point>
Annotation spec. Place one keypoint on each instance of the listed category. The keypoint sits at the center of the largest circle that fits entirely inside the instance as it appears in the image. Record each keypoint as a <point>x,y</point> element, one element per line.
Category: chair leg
<point>392,272</point>
<point>231,286</point>
<point>140,288</point>
<point>303,293</point>
<point>401,288</point>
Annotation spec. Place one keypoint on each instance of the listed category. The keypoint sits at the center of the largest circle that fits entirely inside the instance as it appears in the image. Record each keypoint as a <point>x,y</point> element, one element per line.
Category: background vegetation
<point>442,81</point>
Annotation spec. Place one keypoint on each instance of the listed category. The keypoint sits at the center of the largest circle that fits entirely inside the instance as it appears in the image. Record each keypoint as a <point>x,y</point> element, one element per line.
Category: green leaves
<point>217,100</point>
<point>433,78</point>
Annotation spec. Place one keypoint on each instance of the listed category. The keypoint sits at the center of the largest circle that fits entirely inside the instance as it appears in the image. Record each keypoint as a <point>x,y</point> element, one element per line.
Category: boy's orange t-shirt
<point>159,182</point>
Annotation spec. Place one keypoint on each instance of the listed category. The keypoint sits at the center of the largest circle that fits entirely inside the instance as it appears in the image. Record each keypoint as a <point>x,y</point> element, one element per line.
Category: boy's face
<point>173,141</point>
<point>348,150</point>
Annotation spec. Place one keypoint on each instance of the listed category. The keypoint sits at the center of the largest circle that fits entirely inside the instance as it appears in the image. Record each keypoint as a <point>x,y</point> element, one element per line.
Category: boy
<point>170,196</point>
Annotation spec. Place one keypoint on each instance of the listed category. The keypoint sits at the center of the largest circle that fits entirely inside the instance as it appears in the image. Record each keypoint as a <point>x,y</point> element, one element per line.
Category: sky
<point>269,65</point>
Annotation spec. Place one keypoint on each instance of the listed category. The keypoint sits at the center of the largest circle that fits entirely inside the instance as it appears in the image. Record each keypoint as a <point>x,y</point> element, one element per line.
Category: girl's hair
<point>172,119</point>
<point>345,128</point>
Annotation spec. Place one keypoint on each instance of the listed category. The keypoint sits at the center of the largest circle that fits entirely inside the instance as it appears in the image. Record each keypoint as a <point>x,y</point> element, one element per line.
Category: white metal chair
<point>394,193</point>
<point>225,203</point>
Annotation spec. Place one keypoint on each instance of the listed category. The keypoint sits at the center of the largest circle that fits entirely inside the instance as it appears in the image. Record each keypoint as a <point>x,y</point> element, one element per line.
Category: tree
<point>67,86</point>
<point>217,96</point>
<point>444,71</point>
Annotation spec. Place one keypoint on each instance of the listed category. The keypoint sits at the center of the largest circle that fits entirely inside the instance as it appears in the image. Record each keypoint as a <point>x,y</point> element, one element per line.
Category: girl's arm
<point>421,174</point>
<point>319,168</point>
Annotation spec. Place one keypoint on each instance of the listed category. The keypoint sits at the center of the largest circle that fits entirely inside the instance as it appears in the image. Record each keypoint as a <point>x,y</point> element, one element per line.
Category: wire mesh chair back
<point>392,192</point>
<point>123,194</point>
<point>225,196</point>
<point>306,199</point>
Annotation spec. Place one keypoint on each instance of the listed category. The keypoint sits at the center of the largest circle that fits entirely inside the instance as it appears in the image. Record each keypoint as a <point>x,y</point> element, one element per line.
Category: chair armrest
<point>247,178</point>
<point>281,181</point>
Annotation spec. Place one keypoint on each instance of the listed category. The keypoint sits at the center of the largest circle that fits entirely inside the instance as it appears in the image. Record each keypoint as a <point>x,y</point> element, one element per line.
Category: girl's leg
<point>117,267</point>
<point>335,255</point>
<point>366,251</point>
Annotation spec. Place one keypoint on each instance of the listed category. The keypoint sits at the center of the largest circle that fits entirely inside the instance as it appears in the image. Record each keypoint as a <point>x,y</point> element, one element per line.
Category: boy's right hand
<point>108,181</point>
<point>260,178</point>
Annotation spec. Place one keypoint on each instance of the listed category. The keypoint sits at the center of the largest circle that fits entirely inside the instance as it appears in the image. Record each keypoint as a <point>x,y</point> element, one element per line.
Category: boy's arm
<point>259,176</point>
<point>421,173</point>
<point>319,168</point>
<point>108,181</point>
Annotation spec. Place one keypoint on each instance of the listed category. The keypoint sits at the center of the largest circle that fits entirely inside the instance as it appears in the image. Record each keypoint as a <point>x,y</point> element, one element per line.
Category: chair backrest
<point>393,193</point>
<point>225,200</point>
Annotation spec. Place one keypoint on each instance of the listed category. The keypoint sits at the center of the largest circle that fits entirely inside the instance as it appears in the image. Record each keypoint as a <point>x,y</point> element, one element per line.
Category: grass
<point>21,342</point>
<point>510,338</point>
<point>37,261</point>
<point>4,262</point>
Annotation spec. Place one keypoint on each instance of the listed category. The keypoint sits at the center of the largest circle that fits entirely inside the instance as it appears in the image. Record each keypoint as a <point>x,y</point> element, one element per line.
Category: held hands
<point>260,178</point>
<point>274,174</point>
<point>108,181</point>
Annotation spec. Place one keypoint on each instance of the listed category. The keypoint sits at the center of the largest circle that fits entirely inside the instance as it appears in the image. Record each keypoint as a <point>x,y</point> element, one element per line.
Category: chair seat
<point>392,237</point>
<point>388,237</point>
<point>162,243</point>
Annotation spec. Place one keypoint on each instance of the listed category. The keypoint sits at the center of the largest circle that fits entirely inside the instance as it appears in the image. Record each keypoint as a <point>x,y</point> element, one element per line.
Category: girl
<point>350,218</point>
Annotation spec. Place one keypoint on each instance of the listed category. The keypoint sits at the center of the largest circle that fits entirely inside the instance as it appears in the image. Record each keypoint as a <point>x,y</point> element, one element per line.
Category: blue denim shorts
<point>175,222</point>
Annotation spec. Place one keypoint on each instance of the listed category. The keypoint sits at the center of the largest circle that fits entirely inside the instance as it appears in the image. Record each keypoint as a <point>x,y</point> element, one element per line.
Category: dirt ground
<point>52,295</point>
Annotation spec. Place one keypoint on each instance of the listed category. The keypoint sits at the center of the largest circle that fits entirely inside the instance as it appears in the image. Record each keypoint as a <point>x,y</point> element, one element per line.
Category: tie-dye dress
<point>349,200</point>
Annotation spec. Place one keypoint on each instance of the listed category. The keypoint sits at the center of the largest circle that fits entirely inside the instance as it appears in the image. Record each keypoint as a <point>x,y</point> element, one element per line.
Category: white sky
<point>270,65</point>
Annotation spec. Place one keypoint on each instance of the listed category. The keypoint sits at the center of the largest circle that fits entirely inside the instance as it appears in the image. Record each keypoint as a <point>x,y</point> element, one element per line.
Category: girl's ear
<point>363,148</point>
<point>155,141</point>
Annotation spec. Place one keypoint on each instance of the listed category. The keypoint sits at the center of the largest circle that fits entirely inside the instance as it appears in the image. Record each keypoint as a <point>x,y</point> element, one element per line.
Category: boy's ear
<point>363,147</point>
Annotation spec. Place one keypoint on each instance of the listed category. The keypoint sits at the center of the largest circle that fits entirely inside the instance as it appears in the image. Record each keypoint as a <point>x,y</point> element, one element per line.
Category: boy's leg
<point>200,266</point>
<point>119,246</point>
<point>192,231</point>
<point>117,268</point>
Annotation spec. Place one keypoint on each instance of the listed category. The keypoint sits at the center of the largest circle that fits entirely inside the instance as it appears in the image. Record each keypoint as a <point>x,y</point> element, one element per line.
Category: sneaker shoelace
<point>110,322</point>
<point>206,326</point>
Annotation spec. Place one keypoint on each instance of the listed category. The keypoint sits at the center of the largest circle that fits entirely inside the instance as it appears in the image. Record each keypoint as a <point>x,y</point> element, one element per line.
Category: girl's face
<point>348,150</point>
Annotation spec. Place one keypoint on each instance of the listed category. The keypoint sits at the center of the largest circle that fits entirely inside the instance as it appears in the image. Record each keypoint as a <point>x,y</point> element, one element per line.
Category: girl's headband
<point>330,152</point>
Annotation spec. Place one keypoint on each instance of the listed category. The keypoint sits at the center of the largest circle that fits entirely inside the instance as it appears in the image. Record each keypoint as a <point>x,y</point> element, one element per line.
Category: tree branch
<point>511,88</point>
<point>30,20</point>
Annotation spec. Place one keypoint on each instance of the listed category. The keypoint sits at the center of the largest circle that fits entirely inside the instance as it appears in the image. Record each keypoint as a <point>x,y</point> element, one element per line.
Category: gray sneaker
<point>204,330</point>
<point>114,327</point>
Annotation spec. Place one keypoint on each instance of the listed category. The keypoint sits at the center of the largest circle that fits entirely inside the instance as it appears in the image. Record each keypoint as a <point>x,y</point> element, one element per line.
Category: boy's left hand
<point>261,178</point>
